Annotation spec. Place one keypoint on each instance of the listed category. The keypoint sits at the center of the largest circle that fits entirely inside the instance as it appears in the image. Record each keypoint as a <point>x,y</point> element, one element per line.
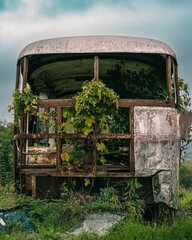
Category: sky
<point>25,21</point>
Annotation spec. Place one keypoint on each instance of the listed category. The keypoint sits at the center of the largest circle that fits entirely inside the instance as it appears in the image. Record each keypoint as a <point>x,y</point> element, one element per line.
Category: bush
<point>6,152</point>
<point>186,175</point>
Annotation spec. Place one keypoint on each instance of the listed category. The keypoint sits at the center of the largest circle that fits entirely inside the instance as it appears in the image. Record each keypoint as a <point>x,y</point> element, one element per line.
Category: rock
<point>96,223</point>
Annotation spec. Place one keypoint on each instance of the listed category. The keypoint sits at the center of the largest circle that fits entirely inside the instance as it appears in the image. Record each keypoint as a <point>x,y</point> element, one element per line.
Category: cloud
<point>25,21</point>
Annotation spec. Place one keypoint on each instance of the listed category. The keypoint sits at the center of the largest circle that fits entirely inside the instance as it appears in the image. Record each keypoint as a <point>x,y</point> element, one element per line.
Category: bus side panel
<point>157,151</point>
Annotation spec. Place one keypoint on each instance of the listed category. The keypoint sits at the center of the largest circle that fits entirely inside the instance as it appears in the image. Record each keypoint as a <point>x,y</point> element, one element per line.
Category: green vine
<point>95,105</point>
<point>24,101</point>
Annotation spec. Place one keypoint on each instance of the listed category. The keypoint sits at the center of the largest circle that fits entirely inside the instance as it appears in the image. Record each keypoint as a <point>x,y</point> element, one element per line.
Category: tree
<point>184,98</point>
<point>184,105</point>
<point>6,151</point>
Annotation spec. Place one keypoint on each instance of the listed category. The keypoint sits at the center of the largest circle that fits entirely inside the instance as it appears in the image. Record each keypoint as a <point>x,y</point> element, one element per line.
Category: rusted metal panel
<point>185,121</point>
<point>166,186</point>
<point>17,76</point>
<point>54,103</point>
<point>145,102</point>
<point>33,136</point>
<point>132,154</point>
<point>97,44</point>
<point>177,82</point>
<point>34,185</point>
<point>155,133</point>
<point>28,184</point>
<point>168,70</point>
<point>69,173</point>
<point>58,139</point>
<point>157,150</point>
<point>73,135</point>
<point>25,71</point>
<point>123,103</point>
<point>96,68</point>
<point>156,121</point>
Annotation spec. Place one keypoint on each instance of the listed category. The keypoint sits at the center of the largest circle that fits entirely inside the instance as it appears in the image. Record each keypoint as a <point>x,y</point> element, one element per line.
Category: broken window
<point>132,76</point>
<point>136,76</point>
<point>140,76</point>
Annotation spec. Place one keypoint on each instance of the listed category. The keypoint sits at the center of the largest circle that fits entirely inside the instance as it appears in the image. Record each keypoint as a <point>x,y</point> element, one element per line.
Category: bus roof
<point>97,44</point>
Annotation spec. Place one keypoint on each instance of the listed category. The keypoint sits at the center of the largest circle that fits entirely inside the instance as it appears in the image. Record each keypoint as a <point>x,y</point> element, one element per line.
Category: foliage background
<point>6,151</point>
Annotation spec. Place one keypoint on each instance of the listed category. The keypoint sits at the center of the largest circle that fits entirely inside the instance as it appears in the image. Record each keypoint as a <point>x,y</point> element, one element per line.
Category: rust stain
<point>185,122</point>
<point>170,118</point>
<point>150,116</point>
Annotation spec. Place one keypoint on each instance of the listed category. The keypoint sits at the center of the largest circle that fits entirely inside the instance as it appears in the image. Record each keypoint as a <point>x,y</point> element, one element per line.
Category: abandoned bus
<point>143,142</point>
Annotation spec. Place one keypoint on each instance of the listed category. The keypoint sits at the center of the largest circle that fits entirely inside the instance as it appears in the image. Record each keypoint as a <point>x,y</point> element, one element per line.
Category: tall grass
<point>134,230</point>
<point>51,219</point>
<point>186,175</point>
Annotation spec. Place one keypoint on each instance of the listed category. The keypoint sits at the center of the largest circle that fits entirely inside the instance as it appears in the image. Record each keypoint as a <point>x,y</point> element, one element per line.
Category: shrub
<point>186,175</point>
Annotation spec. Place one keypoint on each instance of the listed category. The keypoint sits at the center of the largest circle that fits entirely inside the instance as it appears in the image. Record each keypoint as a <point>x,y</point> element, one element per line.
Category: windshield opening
<point>132,76</point>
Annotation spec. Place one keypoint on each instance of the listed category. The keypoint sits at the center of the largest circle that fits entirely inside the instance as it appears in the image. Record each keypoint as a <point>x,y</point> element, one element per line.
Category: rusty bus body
<point>144,74</point>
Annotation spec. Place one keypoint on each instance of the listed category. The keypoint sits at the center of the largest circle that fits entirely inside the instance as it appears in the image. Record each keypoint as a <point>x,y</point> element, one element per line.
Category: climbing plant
<point>24,101</point>
<point>95,105</point>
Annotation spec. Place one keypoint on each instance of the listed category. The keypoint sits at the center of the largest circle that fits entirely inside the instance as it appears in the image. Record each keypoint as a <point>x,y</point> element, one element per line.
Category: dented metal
<point>157,150</point>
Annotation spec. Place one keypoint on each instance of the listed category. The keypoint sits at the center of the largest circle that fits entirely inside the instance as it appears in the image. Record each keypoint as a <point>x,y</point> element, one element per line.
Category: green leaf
<point>87,182</point>
<point>65,157</point>
<point>102,160</point>
<point>101,147</point>
<point>87,130</point>
<point>89,121</point>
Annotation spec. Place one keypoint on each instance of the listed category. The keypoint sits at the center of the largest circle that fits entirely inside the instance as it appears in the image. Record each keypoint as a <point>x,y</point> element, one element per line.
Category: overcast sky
<point>25,21</point>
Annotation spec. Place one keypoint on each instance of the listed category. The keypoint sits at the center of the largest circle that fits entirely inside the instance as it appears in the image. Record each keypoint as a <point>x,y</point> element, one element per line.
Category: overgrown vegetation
<point>51,219</point>
<point>184,98</point>
<point>186,175</point>
<point>95,105</point>
<point>24,101</point>
<point>184,103</point>
<point>6,152</point>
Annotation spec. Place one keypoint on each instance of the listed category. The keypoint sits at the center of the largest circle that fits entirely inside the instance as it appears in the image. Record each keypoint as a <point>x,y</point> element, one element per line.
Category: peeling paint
<point>99,44</point>
<point>170,118</point>
<point>157,150</point>
<point>185,120</point>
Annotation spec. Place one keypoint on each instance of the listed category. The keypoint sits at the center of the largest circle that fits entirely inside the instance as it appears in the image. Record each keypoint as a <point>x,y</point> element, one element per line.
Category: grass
<point>51,219</point>
<point>186,175</point>
<point>131,230</point>
<point>7,196</point>
<point>185,196</point>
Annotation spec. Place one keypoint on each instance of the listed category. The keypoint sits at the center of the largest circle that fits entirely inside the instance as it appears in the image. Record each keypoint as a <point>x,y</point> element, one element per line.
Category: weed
<point>64,191</point>
<point>133,205</point>
<point>52,218</point>
<point>186,175</point>
<point>106,201</point>
<point>7,196</point>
